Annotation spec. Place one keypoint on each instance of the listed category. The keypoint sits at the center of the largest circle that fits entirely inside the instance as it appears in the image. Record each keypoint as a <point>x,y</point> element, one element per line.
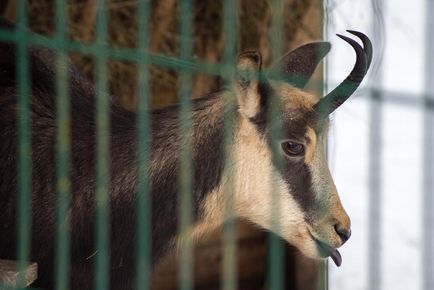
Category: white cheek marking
<point>261,193</point>
<point>249,102</point>
<point>311,146</point>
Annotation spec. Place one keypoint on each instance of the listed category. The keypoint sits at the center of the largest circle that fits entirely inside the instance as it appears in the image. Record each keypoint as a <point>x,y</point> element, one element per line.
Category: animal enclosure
<point>152,54</point>
<point>101,51</point>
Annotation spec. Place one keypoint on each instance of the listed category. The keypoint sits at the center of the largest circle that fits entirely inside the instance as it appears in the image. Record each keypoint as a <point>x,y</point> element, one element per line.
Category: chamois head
<point>293,177</point>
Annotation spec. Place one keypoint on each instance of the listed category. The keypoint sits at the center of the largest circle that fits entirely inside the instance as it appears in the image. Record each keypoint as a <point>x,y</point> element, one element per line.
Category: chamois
<point>311,216</point>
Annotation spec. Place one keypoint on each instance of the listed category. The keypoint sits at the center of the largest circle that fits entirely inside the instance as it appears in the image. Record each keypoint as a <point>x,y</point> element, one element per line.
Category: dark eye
<point>292,148</point>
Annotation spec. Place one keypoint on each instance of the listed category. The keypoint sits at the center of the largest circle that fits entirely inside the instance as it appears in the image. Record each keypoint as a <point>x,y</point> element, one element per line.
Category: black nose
<point>343,233</point>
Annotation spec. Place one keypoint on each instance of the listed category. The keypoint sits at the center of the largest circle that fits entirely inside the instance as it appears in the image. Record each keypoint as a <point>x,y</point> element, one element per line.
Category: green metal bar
<point>322,272</point>
<point>124,54</point>
<point>230,30</point>
<point>102,154</point>
<point>275,267</point>
<point>143,262</point>
<point>115,53</point>
<point>24,149</point>
<point>186,164</point>
<point>62,154</point>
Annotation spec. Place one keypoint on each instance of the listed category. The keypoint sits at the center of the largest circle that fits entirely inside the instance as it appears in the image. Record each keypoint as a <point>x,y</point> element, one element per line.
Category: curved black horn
<point>345,89</point>
<point>367,45</point>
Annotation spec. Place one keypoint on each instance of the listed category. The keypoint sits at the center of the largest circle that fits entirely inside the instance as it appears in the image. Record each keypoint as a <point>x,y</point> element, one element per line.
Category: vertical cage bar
<point>320,88</point>
<point>102,151</point>
<point>24,144</point>
<point>375,191</point>
<point>185,194</point>
<point>62,153</point>
<point>230,32</point>
<point>375,165</point>
<point>143,262</point>
<point>428,160</point>
<point>275,269</point>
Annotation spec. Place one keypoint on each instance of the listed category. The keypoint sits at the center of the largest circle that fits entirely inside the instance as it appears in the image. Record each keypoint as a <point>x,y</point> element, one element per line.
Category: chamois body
<point>295,175</point>
<point>165,147</point>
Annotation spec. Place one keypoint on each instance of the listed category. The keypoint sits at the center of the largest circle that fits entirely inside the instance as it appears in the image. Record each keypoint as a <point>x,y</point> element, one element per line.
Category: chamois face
<point>284,177</point>
<point>290,183</point>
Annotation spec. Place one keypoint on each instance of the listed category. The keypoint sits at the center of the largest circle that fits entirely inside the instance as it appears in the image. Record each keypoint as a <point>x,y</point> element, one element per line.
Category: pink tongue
<point>336,256</point>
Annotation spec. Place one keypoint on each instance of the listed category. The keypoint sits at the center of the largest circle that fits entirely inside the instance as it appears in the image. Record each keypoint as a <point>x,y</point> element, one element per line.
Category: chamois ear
<point>298,65</point>
<point>247,85</point>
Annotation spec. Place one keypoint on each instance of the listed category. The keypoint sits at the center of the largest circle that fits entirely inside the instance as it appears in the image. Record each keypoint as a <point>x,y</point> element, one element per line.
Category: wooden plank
<point>9,274</point>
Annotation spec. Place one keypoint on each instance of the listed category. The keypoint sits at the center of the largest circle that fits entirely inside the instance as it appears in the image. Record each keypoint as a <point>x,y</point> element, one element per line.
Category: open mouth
<point>327,251</point>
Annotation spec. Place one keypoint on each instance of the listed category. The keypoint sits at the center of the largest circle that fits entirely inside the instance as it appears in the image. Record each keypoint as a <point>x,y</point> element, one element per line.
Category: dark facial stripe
<point>294,125</point>
<point>298,177</point>
<point>294,171</point>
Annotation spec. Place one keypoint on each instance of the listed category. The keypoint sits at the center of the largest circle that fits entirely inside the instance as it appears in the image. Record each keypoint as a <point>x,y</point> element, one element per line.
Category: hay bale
<point>208,40</point>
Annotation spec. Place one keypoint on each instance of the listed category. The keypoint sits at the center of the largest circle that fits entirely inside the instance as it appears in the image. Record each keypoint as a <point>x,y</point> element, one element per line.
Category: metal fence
<point>186,66</point>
